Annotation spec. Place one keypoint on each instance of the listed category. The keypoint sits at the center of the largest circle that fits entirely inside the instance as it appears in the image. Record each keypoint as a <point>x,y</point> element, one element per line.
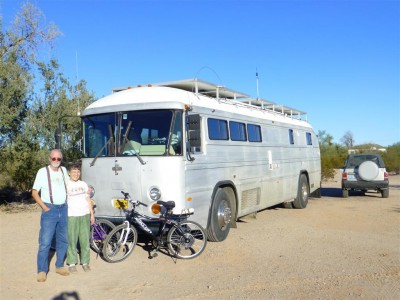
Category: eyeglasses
<point>56,159</point>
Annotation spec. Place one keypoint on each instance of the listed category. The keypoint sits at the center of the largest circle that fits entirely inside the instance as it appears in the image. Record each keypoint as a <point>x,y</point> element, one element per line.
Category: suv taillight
<point>344,176</point>
<point>386,176</point>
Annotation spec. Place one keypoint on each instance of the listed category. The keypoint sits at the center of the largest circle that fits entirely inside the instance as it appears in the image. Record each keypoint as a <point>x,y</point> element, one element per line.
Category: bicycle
<point>100,229</point>
<point>98,232</point>
<point>184,239</point>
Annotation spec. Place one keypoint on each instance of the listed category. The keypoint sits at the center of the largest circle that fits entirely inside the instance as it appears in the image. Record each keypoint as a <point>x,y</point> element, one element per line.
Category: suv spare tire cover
<point>368,170</point>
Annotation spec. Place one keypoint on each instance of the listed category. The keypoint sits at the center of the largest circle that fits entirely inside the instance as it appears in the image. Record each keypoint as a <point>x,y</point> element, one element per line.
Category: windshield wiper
<point>109,142</point>
<point>134,152</point>
<point>101,150</point>
<point>125,140</point>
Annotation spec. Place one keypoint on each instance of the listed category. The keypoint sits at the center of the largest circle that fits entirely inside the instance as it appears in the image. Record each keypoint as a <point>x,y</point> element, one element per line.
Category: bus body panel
<point>135,179</point>
<point>261,174</point>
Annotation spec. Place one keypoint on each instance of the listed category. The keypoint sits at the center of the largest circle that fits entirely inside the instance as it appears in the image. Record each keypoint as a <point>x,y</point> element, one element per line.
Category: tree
<point>324,138</point>
<point>348,139</point>
<point>19,48</point>
<point>29,116</point>
<point>14,87</point>
<point>71,126</point>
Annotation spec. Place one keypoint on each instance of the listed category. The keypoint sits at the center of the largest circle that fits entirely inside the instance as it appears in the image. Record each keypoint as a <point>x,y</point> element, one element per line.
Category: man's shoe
<point>62,271</point>
<point>72,269</point>
<point>86,268</point>
<point>41,277</point>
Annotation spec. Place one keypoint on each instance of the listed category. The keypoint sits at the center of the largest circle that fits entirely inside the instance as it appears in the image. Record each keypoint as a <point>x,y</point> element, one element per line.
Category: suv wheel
<point>385,193</point>
<point>345,193</point>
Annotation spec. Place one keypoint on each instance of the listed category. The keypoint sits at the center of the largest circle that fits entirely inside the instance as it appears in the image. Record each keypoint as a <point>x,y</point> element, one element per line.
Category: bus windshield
<point>144,133</point>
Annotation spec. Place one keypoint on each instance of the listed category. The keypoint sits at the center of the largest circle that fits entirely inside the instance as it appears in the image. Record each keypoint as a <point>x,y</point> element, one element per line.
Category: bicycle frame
<point>165,219</point>
<point>99,232</point>
<point>174,232</point>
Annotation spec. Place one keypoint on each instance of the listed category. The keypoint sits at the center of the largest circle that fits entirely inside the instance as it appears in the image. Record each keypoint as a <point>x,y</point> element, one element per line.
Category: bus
<point>202,145</point>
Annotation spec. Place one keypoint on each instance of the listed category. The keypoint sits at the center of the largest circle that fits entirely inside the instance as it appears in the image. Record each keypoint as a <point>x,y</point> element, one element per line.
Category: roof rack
<point>220,92</point>
<point>205,88</point>
<point>266,104</point>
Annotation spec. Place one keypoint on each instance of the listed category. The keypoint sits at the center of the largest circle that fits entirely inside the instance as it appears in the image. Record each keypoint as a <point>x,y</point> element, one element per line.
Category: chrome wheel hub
<point>224,214</point>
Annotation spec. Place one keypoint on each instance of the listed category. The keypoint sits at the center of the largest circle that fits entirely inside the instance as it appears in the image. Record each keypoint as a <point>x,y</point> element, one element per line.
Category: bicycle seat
<point>167,204</point>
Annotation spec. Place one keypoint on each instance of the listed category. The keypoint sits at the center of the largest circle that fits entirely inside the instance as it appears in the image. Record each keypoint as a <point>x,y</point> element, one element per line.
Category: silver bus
<point>201,145</point>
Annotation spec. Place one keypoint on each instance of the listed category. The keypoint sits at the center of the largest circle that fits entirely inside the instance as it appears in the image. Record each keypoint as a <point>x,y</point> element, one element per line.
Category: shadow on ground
<point>331,192</point>
<point>11,195</point>
<point>337,192</point>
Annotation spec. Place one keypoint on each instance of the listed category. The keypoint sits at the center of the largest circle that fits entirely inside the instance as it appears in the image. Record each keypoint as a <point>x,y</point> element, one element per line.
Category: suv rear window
<point>354,161</point>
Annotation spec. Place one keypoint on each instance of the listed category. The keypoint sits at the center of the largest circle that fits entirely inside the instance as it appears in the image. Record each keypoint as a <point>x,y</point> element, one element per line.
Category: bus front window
<point>147,133</point>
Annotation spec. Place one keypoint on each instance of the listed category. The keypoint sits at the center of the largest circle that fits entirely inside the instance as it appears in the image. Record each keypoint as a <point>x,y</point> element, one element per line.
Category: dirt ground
<point>336,248</point>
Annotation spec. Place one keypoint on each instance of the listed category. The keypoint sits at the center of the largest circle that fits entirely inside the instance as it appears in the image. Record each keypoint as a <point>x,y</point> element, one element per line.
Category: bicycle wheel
<point>98,233</point>
<point>119,243</point>
<point>186,240</point>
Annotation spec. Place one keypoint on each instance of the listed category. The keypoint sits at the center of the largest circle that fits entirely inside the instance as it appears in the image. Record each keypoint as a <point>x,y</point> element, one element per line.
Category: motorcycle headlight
<point>155,194</point>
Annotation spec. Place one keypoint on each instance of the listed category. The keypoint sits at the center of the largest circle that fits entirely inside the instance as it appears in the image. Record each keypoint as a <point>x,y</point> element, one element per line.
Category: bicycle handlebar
<point>129,198</point>
<point>185,211</point>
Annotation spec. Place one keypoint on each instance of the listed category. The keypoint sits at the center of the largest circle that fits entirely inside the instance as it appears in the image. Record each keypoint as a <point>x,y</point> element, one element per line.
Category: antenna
<point>76,81</point>
<point>76,67</point>
<point>258,95</point>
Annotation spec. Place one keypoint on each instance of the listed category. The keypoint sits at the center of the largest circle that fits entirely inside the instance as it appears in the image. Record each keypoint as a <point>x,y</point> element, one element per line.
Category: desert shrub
<point>392,158</point>
<point>332,157</point>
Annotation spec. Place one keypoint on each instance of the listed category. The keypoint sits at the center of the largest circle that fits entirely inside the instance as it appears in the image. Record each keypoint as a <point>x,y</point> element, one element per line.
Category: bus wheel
<point>220,216</point>
<point>303,192</point>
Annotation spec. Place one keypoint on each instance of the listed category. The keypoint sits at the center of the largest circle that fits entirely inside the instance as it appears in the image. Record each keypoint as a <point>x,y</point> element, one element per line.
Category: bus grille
<point>250,198</point>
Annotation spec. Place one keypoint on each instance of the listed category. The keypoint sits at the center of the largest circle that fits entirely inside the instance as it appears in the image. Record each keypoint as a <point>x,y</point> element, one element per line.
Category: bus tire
<point>303,192</point>
<point>220,216</point>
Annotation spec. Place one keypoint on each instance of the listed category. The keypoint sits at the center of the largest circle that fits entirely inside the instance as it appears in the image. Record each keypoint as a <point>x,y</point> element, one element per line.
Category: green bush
<point>392,158</point>
<point>332,157</point>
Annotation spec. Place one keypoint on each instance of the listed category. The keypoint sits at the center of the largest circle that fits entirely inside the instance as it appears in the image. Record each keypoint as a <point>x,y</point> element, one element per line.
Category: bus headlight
<point>155,194</point>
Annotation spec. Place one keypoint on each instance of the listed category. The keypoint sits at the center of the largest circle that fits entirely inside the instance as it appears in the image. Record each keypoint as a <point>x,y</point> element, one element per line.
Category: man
<point>51,182</point>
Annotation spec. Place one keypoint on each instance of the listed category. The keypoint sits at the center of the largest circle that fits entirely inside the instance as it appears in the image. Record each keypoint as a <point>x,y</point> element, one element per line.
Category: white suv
<point>365,172</point>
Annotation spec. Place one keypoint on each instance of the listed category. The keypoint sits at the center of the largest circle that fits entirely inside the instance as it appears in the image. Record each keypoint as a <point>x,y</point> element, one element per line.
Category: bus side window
<point>308,138</point>
<point>254,133</point>
<point>291,138</point>
<point>237,131</point>
<point>217,129</point>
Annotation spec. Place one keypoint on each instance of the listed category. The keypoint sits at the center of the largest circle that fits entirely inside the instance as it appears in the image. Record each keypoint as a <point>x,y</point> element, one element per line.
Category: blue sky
<point>337,60</point>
